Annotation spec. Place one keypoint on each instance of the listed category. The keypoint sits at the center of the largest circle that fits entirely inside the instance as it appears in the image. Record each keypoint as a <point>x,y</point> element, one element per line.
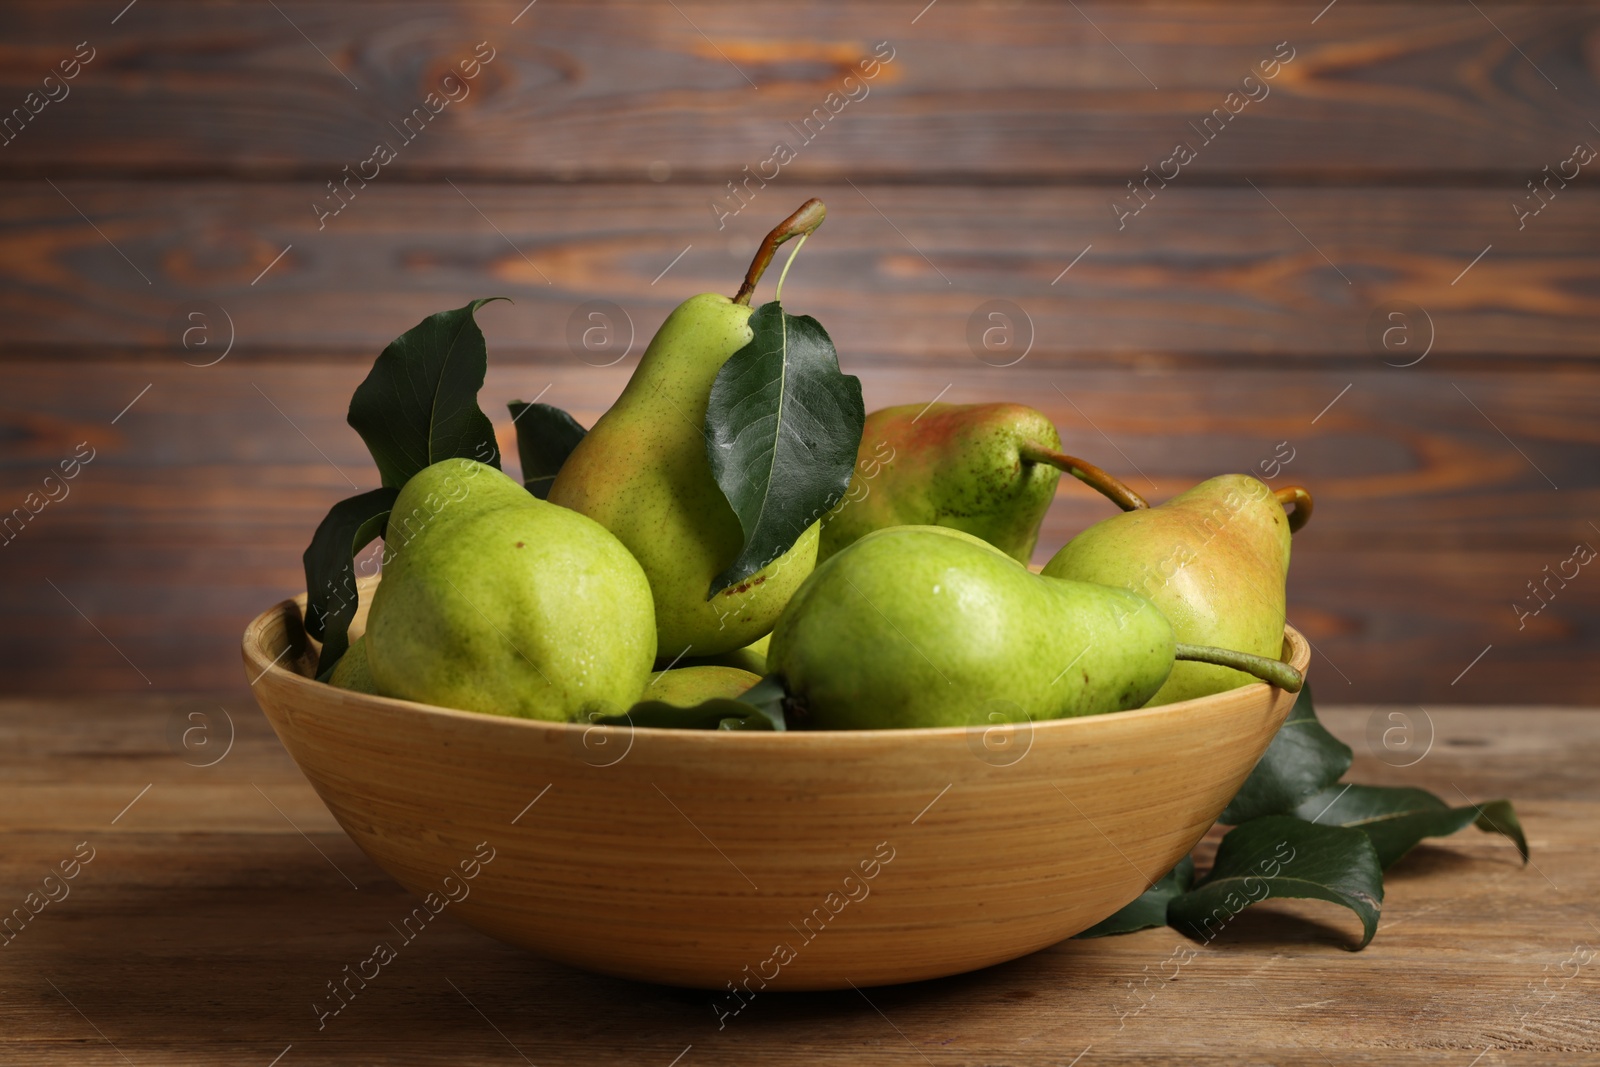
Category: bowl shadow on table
<point>1079,969</point>
<point>245,940</point>
<point>239,946</point>
<point>1443,861</point>
<point>1093,976</point>
<point>1070,967</point>
<point>283,923</point>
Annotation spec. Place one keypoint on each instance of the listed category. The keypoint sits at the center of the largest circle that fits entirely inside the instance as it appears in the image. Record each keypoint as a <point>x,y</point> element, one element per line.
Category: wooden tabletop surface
<point>211,905</point>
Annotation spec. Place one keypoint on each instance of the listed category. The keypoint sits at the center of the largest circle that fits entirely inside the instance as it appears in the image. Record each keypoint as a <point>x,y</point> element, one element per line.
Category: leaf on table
<point>546,436</point>
<point>350,526</point>
<point>1397,818</point>
<point>1283,856</point>
<point>1499,817</point>
<point>782,428</point>
<point>1302,761</point>
<point>1150,907</point>
<point>419,403</point>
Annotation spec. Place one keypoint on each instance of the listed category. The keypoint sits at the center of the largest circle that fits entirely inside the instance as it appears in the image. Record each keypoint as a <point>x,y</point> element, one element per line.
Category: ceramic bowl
<point>764,860</point>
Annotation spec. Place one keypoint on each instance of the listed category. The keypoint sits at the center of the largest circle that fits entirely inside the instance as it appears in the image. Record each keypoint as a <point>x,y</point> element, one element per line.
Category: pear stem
<point>1107,485</point>
<point>1272,671</point>
<point>1300,497</point>
<point>806,219</point>
<point>777,293</point>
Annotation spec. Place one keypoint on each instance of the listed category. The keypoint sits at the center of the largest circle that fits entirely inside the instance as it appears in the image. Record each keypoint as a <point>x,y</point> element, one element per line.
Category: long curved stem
<point>806,219</point>
<point>1272,671</point>
<point>777,291</point>
<point>1300,497</point>
<point>1107,485</point>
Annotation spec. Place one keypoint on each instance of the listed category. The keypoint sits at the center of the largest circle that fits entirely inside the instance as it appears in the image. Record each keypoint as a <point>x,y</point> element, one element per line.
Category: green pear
<point>1214,559</point>
<point>688,686</point>
<point>642,473</point>
<point>352,672</point>
<point>520,608</point>
<point>988,469</point>
<point>442,494</point>
<point>918,626</point>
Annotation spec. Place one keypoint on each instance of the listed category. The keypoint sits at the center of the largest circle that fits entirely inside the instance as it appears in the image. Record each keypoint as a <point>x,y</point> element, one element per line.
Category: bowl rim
<point>1298,655</point>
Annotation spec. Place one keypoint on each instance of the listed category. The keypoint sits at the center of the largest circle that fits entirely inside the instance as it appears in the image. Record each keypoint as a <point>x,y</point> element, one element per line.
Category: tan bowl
<point>766,860</point>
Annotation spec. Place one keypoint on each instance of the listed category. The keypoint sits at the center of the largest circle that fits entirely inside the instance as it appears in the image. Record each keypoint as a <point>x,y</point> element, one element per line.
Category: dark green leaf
<point>709,715</point>
<point>1499,817</point>
<point>1282,856</point>
<point>546,436</point>
<point>419,403</point>
<point>1302,761</point>
<point>782,428</point>
<point>758,708</point>
<point>767,697</point>
<point>331,600</point>
<point>1150,907</point>
<point>1397,818</point>
<point>745,722</point>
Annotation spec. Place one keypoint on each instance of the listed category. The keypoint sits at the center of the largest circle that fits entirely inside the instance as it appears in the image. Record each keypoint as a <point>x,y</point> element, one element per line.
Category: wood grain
<point>1220,324</point>
<point>1197,338</point>
<point>443,797</point>
<point>701,90</point>
<point>200,499</point>
<point>1208,273</point>
<point>239,921</point>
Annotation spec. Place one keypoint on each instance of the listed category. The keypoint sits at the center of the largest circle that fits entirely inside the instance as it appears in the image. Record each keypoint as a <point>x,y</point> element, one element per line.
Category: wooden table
<point>220,900</point>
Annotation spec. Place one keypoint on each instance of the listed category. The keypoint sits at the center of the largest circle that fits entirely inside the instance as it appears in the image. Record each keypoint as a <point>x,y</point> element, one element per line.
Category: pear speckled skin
<point>440,495</point>
<point>919,626</point>
<point>1214,559</point>
<point>688,686</point>
<point>954,465</point>
<point>521,608</point>
<point>642,473</point>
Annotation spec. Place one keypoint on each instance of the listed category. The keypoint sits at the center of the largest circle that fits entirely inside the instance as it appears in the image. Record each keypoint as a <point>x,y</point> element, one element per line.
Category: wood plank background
<point>1235,311</point>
